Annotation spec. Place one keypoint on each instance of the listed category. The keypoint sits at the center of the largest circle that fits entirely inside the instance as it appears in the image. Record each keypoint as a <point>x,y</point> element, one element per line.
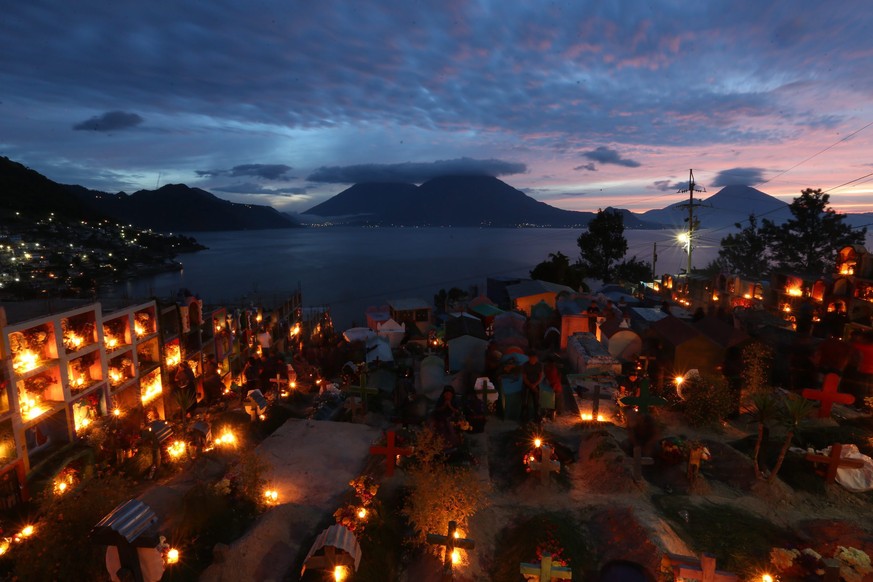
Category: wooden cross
<point>279,381</point>
<point>451,541</point>
<point>695,457</point>
<point>690,568</point>
<point>638,461</point>
<point>484,390</point>
<point>546,465</point>
<point>546,571</point>
<point>595,402</point>
<point>645,399</point>
<point>362,389</point>
<point>391,452</point>
<point>828,395</point>
<point>834,461</point>
<point>331,559</point>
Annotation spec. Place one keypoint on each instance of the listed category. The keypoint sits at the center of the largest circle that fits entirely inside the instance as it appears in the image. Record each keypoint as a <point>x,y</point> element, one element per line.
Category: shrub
<point>439,493</point>
<point>708,400</point>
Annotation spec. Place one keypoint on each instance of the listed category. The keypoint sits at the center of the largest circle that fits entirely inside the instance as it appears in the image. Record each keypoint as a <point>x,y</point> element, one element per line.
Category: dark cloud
<point>264,171</point>
<point>668,186</point>
<point>252,188</point>
<point>110,121</point>
<point>414,172</point>
<point>738,177</point>
<point>589,166</point>
<point>605,155</point>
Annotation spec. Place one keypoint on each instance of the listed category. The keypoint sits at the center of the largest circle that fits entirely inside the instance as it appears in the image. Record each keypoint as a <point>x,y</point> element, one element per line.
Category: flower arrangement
<point>551,546</point>
<point>365,488</point>
<point>675,450</point>
<point>353,514</point>
<point>854,563</point>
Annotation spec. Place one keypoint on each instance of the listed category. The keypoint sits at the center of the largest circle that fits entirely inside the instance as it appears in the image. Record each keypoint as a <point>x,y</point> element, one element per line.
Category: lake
<point>350,268</point>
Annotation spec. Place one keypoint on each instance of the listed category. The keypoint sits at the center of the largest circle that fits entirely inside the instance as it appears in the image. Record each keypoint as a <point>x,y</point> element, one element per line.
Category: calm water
<point>351,268</point>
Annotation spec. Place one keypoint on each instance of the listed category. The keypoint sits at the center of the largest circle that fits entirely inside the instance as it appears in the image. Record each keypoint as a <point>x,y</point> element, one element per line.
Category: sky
<point>579,104</point>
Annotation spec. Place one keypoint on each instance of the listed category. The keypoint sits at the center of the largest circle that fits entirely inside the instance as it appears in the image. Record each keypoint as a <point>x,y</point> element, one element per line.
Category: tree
<point>439,492</point>
<point>602,245</point>
<point>633,271</point>
<point>747,253</point>
<point>764,410</point>
<point>557,269</point>
<point>792,416</point>
<point>808,242</point>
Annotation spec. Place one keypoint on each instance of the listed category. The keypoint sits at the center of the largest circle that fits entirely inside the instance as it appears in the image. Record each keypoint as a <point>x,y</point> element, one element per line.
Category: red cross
<point>391,452</point>
<point>828,395</point>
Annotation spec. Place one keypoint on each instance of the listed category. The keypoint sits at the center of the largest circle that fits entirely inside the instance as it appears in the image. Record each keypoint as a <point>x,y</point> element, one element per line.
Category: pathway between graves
<point>312,463</point>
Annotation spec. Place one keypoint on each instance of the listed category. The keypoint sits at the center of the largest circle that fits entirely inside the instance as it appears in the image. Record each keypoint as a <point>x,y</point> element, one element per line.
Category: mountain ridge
<point>454,200</point>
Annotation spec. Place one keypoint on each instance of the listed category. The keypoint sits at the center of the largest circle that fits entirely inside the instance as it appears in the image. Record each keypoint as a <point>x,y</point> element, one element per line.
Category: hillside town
<point>54,257</point>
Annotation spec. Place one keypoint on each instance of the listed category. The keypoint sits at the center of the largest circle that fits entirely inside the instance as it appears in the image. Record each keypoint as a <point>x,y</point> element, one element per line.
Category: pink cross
<point>828,395</point>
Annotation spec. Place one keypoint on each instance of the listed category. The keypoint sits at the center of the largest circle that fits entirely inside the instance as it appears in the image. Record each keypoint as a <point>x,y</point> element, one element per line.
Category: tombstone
<point>432,375</point>
<point>695,457</point>
<point>450,541</point>
<point>828,395</point>
<point>335,546</point>
<point>131,543</point>
<point>834,461</point>
<point>546,570</point>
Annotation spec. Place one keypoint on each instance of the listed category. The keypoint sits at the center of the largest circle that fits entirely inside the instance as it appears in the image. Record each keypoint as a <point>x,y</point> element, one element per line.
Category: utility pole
<point>692,188</point>
<point>654,260</point>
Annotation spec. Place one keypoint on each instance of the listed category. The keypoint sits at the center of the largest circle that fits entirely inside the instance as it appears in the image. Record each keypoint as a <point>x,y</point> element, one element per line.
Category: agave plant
<point>792,416</point>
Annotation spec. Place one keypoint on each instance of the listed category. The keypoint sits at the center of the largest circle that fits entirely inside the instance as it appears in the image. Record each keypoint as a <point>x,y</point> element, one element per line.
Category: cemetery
<point>365,457</point>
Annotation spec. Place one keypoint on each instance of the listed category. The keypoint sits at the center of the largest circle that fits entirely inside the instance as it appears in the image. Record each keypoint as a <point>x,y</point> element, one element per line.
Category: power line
<point>816,154</point>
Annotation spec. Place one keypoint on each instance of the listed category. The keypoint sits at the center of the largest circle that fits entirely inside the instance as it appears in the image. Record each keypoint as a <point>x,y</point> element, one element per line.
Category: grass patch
<point>740,540</point>
<point>518,543</point>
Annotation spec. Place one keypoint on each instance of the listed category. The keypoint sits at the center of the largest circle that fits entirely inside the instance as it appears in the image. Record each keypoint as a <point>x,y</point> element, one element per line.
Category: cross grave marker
<point>638,461</point>
<point>828,395</point>
<point>546,570</point>
<point>645,399</point>
<point>834,461</point>
<point>546,465</point>
<point>450,541</point>
<point>391,452</point>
